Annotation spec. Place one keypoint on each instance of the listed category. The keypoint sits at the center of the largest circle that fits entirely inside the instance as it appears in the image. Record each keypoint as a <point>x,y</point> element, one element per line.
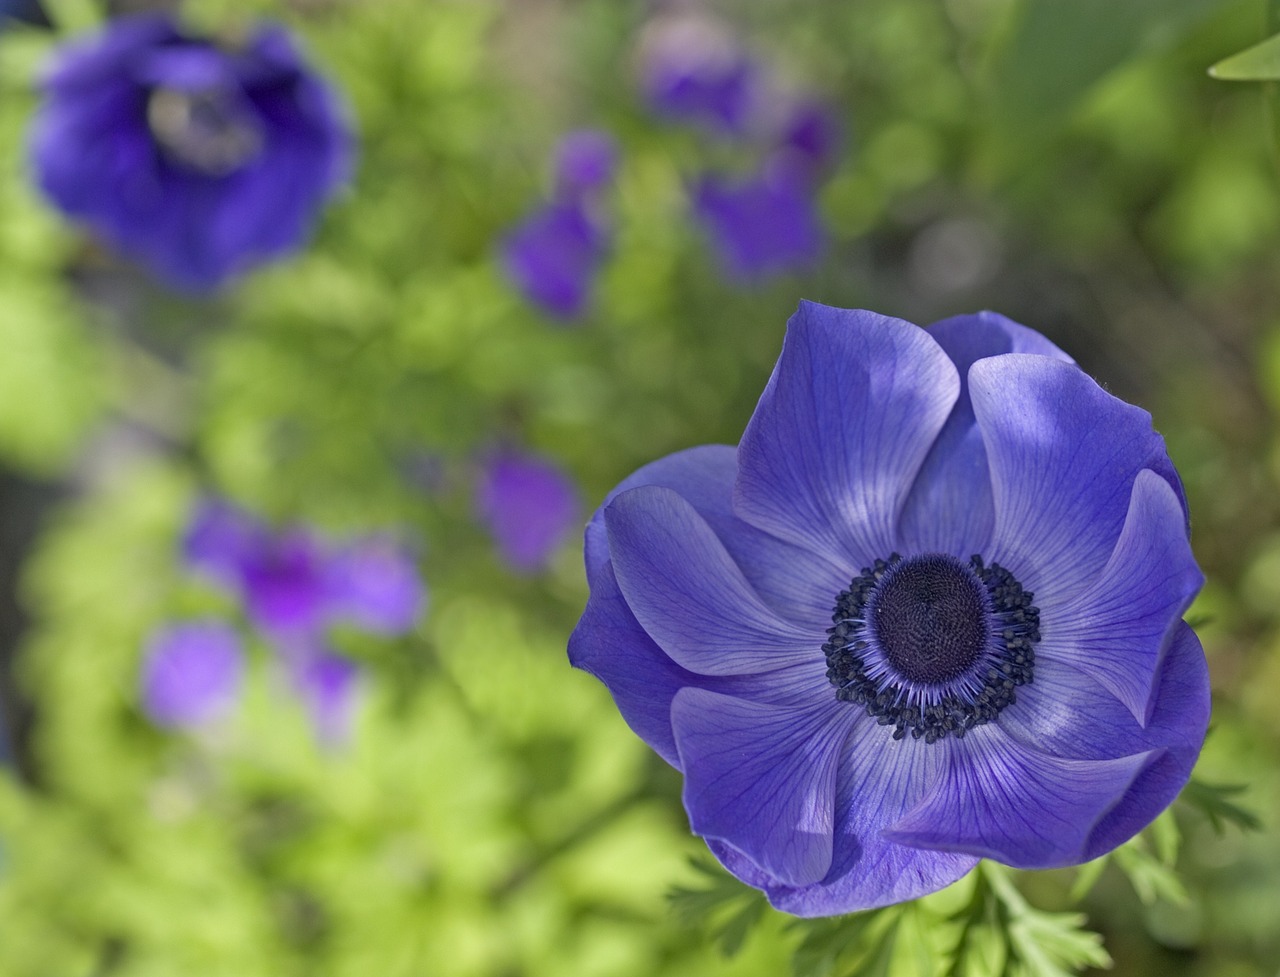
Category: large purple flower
<point>195,157</point>
<point>929,610</point>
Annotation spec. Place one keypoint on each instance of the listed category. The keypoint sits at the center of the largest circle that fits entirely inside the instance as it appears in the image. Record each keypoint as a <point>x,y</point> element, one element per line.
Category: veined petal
<point>1000,799</point>
<point>878,781</point>
<point>1067,713</point>
<point>853,406</point>
<point>1118,629</point>
<point>762,778</point>
<point>950,508</point>
<point>688,594</point>
<point>1063,455</point>
<point>798,585</point>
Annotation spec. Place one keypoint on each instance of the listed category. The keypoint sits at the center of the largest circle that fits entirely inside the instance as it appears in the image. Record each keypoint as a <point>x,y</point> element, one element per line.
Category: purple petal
<point>879,781</point>
<point>552,258</point>
<point>1000,799</point>
<point>688,594</point>
<point>1066,713</point>
<point>852,409</point>
<point>950,509</point>
<point>1117,631</point>
<point>585,162</point>
<point>374,582</point>
<point>797,584</point>
<point>222,540</point>
<point>1063,455</point>
<point>530,506</point>
<point>286,585</point>
<point>810,140</point>
<point>327,685</point>
<point>192,673</point>
<point>762,778</point>
<point>761,226</point>
<point>610,644</point>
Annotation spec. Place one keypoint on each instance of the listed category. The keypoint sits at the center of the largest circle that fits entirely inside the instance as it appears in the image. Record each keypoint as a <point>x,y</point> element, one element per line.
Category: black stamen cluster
<point>1015,624</point>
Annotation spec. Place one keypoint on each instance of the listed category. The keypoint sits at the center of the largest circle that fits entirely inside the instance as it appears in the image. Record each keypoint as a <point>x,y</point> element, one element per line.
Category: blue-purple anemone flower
<point>197,158</point>
<point>929,610</point>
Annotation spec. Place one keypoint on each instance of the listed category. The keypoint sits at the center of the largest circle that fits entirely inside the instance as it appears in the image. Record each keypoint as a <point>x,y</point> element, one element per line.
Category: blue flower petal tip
<point>929,610</point>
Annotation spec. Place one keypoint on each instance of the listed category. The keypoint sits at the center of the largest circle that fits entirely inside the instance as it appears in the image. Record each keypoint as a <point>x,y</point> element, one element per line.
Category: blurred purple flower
<point>374,584</point>
<point>760,226</point>
<point>809,141</point>
<point>553,255</point>
<point>530,507</point>
<point>195,157</point>
<point>693,70</point>
<point>327,685</point>
<point>585,163</point>
<point>191,674</point>
<point>295,584</point>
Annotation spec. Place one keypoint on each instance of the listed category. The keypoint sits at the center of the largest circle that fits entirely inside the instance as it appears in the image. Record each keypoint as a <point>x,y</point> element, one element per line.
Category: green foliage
<point>1215,802</point>
<point>1258,63</point>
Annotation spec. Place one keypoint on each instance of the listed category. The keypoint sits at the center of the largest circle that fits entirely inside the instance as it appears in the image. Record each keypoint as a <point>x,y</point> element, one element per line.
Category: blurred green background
<point>1070,164</point>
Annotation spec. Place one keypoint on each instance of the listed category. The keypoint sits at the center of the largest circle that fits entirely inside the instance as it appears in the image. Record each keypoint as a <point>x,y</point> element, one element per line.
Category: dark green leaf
<point>1258,63</point>
<point>1214,802</point>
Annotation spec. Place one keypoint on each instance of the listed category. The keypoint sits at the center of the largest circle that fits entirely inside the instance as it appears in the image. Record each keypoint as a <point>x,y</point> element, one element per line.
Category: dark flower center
<point>203,130</point>
<point>930,615</point>
<point>931,645</point>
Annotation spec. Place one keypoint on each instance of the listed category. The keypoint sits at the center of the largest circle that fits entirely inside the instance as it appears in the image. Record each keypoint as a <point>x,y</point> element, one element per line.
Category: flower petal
<point>689,595</point>
<point>762,778</point>
<point>1063,455</point>
<point>1067,713</point>
<point>950,509</point>
<point>879,780</point>
<point>798,585</point>
<point>1117,631</point>
<point>846,420</point>
<point>1000,799</point>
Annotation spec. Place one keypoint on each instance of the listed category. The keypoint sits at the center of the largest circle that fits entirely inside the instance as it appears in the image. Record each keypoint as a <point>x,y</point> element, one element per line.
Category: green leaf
<point>1258,63</point>
<point>1213,801</point>
<point>725,907</point>
<point>1054,944</point>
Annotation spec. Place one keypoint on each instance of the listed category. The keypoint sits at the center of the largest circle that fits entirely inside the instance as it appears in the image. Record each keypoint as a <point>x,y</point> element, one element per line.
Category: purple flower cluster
<point>295,587</point>
<point>197,157</point>
<point>694,70</point>
<point>529,505</point>
<point>553,255</point>
<point>929,610</point>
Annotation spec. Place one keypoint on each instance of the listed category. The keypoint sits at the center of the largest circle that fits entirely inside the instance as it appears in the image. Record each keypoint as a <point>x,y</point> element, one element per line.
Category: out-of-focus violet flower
<point>196,157</point>
<point>530,507</point>
<point>832,630</point>
<point>809,141</point>
<point>585,163</point>
<point>374,584</point>
<point>553,256</point>
<point>328,686</point>
<point>762,225</point>
<point>221,539</point>
<point>693,70</point>
<point>285,583</point>
<point>191,674</point>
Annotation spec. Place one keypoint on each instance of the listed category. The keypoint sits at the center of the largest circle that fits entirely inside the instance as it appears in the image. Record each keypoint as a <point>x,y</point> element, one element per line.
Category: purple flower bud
<point>809,141</point>
<point>760,226</point>
<point>191,674</point>
<point>530,506</point>
<point>327,685</point>
<point>195,157</point>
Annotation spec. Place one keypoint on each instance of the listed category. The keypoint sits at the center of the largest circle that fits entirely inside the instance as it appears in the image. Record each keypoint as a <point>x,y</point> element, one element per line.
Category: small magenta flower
<point>530,507</point>
<point>191,674</point>
<point>761,226</point>
<point>929,610</point>
<point>196,157</point>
